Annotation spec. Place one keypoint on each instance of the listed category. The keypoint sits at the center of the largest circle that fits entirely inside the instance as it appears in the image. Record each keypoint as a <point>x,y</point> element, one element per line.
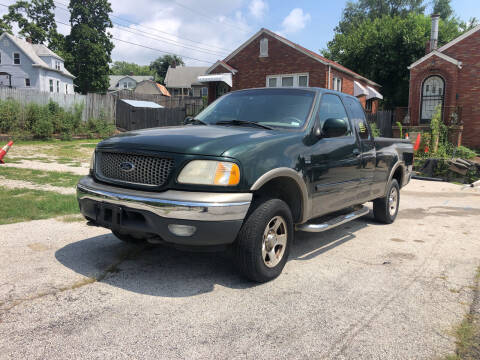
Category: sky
<point>203,31</point>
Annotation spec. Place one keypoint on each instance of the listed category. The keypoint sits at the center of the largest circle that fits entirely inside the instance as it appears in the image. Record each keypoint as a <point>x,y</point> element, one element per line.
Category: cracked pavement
<point>363,291</point>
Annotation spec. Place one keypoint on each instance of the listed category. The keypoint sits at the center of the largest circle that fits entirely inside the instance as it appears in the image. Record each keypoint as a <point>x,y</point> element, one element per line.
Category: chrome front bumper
<point>171,204</point>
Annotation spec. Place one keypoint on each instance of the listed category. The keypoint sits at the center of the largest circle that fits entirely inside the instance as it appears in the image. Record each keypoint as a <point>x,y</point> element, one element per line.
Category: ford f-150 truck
<point>248,171</point>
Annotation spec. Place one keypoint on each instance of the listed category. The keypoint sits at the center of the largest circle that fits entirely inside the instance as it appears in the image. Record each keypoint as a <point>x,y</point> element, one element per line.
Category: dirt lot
<point>362,291</point>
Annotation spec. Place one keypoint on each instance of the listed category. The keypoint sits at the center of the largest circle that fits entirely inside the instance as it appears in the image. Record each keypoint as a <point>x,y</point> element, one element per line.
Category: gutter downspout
<point>329,76</point>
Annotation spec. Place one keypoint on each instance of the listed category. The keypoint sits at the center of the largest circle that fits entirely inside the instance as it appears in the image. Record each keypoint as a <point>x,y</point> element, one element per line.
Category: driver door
<point>334,161</point>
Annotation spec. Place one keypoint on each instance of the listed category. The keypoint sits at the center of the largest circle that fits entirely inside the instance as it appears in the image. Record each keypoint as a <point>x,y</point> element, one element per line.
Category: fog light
<point>182,230</point>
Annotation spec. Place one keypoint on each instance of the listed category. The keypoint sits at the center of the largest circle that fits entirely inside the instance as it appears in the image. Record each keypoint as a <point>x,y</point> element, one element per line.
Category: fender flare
<point>394,168</point>
<point>291,174</point>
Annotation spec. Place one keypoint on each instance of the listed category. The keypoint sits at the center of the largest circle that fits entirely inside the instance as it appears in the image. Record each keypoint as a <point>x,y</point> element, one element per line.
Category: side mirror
<point>187,120</point>
<point>334,128</point>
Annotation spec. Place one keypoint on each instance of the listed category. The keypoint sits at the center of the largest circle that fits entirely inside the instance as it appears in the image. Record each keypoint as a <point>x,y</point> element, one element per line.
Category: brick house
<point>269,60</point>
<point>448,76</point>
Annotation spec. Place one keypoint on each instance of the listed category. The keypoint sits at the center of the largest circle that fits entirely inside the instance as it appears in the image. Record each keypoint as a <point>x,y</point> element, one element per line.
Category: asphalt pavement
<point>361,291</point>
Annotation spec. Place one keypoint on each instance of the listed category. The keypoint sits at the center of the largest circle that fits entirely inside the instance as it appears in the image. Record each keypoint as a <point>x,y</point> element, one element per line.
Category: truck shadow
<point>168,272</point>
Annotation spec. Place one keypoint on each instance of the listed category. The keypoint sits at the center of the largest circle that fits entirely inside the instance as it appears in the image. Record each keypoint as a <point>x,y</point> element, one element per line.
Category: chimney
<point>29,40</point>
<point>434,32</point>
<point>131,73</point>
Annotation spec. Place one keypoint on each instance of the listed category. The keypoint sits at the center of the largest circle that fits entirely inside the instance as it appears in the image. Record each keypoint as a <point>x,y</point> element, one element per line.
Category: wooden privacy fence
<point>383,119</point>
<point>134,118</point>
<point>94,105</point>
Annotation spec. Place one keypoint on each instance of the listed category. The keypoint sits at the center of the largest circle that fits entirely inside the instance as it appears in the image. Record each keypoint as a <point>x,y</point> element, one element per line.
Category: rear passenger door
<point>367,148</point>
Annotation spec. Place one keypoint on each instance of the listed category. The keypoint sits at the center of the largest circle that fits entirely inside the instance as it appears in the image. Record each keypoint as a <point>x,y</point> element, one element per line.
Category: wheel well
<point>286,189</point>
<point>398,175</point>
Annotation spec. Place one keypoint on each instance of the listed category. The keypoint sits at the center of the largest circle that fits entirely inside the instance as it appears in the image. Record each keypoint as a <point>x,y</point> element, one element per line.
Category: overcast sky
<point>207,30</point>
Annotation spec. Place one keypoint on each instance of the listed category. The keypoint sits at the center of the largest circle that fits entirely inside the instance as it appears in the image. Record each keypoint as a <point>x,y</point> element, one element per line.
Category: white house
<point>126,82</point>
<point>25,65</point>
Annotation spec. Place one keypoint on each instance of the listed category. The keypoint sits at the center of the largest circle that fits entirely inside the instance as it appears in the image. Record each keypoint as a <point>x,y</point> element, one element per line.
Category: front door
<point>334,162</point>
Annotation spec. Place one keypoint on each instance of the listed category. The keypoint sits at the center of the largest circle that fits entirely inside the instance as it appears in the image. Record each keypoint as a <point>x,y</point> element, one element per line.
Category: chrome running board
<point>332,223</point>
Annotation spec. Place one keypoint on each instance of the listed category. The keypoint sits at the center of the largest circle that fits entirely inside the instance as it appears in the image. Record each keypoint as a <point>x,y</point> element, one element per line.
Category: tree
<point>443,8</point>
<point>381,50</point>
<point>160,66</point>
<point>126,68</point>
<point>357,12</point>
<point>36,20</point>
<point>89,45</point>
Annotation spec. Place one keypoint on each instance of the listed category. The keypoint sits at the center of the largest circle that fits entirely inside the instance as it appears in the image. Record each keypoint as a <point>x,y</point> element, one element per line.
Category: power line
<point>139,45</point>
<point>146,47</point>
<point>156,37</point>
<point>157,30</point>
<point>209,17</point>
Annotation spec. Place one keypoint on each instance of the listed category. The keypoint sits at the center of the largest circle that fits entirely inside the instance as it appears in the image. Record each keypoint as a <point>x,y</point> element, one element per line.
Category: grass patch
<point>54,178</point>
<point>467,333</point>
<point>24,205</point>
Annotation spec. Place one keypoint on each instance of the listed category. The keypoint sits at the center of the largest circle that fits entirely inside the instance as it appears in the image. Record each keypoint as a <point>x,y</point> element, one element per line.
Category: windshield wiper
<point>191,120</point>
<point>243,122</point>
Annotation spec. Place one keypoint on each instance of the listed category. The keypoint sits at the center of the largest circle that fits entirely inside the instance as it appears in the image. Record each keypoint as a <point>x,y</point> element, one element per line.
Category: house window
<point>287,80</point>
<point>58,86</point>
<point>131,85</point>
<point>368,105</point>
<point>204,91</point>
<point>337,84</point>
<point>57,65</point>
<point>264,47</point>
<point>66,88</point>
<point>16,58</point>
<point>51,85</point>
<point>125,85</point>
<point>27,82</point>
<point>433,89</point>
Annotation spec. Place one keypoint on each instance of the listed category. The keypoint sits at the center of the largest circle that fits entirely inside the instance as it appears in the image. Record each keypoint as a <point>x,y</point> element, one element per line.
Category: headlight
<point>92,162</point>
<point>207,172</point>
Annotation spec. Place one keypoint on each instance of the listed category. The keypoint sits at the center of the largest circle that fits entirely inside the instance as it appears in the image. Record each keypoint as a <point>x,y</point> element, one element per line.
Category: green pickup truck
<point>245,173</point>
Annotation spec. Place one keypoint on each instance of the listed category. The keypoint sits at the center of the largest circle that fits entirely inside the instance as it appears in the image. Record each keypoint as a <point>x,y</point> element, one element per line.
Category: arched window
<point>433,90</point>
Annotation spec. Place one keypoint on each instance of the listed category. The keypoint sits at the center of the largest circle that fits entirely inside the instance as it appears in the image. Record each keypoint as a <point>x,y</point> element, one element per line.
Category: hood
<point>198,140</point>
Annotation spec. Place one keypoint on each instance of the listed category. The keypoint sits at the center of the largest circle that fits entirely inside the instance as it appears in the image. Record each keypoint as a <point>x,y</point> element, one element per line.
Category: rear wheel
<point>128,238</point>
<point>385,209</point>
<point>263,243</point>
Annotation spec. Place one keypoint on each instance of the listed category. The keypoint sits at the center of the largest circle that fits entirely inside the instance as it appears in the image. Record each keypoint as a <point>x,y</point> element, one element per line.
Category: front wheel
<point>385,209</point>
<point>263,243</point>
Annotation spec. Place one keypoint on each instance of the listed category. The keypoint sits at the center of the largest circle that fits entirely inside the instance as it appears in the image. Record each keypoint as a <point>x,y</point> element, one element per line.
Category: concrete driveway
<point>363,291</point>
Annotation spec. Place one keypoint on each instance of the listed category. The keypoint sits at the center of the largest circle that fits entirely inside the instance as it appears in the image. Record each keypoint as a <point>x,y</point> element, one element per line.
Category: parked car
<point>246,172</point>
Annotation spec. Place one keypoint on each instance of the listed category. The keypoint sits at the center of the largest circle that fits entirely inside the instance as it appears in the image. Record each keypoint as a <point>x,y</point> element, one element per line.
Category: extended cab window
<point>331,107</point>
<point>358,117</point>
<point>283,108</point>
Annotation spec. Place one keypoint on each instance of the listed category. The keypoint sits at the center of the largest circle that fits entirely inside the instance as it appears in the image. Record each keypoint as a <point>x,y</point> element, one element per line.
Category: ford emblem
<point>127,166</point>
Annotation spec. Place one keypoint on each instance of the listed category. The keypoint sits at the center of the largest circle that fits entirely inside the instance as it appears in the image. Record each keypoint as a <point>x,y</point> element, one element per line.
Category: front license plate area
<point>109,216</point>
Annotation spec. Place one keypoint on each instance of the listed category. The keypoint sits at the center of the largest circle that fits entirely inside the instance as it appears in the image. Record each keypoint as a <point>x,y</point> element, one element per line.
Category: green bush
<point>375,129</point>
<point>42,121</point>
<point>9,115</point>
<point>464,152</point>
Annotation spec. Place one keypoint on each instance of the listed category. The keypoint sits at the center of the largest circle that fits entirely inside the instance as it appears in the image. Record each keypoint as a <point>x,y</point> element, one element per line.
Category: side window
<point>331,107</point>
<point>358,117</point>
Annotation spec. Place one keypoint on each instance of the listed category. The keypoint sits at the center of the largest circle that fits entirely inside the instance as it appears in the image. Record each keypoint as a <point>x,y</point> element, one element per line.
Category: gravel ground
<point>20,184</point>
<point>361,291</point>
<point>38,165</point>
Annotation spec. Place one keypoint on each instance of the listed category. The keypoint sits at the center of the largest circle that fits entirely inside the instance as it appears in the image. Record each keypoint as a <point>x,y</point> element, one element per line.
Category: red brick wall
<point>462,86</point>
<point>282,59</point>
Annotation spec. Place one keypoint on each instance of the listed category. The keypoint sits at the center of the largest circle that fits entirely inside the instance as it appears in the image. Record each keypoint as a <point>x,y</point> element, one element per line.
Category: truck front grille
<point>133,168</point>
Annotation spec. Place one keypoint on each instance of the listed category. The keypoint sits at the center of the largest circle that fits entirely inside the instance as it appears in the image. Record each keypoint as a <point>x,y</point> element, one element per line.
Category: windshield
<point>284,108</point>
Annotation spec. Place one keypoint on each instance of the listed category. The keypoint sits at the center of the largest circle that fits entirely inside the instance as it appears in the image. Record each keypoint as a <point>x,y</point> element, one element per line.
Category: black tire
<point>383,209</point>
<point>250,245</point>
<point>128,238</point>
